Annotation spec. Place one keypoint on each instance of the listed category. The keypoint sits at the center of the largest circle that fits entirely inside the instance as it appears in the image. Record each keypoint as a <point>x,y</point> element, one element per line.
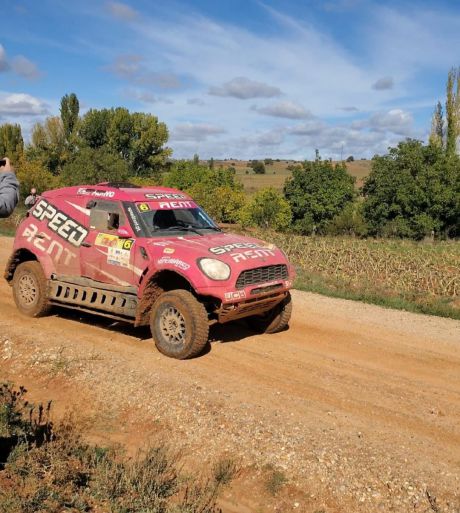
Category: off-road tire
<point>30,290</point>
<point>179,324</point>
<point>275,320</point>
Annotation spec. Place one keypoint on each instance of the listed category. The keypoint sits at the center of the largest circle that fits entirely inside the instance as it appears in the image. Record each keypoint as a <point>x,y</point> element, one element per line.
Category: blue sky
<point>237,79</point>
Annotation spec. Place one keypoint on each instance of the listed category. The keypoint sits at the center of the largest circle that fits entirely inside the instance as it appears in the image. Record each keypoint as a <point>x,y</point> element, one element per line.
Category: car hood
<point>244,252</point>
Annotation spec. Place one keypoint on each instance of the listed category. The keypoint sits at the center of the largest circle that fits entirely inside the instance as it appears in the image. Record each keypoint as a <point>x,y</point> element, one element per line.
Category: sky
<point>237,79</point>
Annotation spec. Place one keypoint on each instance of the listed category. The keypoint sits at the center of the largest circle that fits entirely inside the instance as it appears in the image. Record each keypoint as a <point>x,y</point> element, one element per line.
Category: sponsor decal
<point>161,243</point>
<point>112,241</point>
<point>220,250</point>
<point>288,284</point>
<point>252,253</point>
<point>93,192</point>
<point>234,295</point>
<point>175,204</point>
<point>175,262</point>
<point>143,207</point>
<point>164,195</point>
<point>169,251</point>
<point>45,243</point>
<point>134,220</point>
<point>117,256</point>
<point>60,223</point>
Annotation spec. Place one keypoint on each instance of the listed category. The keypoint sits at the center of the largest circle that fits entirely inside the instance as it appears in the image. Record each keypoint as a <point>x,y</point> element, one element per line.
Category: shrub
<point>317,192</point>
<point>267,209</point>
<point>64,473</point>
<point>34,174</point>
<point>412,191</point>
<point>348,222</point>
<point>258,167</point>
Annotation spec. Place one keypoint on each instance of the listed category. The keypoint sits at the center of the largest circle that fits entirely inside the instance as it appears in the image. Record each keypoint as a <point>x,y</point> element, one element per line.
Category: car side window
<point>106,216</point>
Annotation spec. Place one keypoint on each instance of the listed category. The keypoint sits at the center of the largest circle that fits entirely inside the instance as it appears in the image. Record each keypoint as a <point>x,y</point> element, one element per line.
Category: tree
<point>258,167</point>
<point>223,203</point>
<point>48,145</point>
<point>94,127</point>
<point>32,173</point>
<point>412,191</point>
<point>267,209</point>
<point>452,110</point>
<point>216,190</point>
<point>138,138</point>
<point>350,158</point>
<point>91,166</point>
<point>437,127</point>
<point>70,108</point>
<point>317,192</point>
<point>11,142</point>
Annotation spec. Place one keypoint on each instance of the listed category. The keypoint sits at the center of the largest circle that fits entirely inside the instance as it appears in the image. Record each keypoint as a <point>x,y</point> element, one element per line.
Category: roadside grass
<point>50,467</point>
<point>8,225</point>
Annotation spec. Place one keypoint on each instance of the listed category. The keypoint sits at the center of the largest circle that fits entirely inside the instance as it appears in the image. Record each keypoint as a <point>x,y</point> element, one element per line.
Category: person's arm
<point>9,189</point>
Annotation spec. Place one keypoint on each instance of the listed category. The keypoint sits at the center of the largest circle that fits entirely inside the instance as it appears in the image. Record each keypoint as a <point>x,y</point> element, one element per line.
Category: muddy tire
<point>30,290</point>
<point>179,324</point>
<point>274,320</point>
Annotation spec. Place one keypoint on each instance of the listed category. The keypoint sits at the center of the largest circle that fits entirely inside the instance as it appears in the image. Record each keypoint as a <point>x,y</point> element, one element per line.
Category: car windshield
<point>179,220</point>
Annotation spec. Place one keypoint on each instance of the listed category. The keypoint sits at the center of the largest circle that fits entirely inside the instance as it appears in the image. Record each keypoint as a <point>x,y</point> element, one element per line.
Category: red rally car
<point>150,256</point>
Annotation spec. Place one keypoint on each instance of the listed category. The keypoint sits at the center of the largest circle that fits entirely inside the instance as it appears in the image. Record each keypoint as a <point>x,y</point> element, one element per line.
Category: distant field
<point>276,173</point>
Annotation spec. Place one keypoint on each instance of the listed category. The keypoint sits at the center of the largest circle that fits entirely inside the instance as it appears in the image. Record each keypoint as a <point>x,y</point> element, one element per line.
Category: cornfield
<point>398,267</point>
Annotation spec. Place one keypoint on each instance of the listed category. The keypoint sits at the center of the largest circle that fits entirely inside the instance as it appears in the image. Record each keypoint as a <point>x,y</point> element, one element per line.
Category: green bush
<point>412,191</point>
<point>317,192</point>
<point>348,222</point>
<point>267,209</point>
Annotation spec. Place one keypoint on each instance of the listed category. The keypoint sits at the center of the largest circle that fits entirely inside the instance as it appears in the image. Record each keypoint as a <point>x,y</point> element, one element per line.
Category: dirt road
<point>358,406</point>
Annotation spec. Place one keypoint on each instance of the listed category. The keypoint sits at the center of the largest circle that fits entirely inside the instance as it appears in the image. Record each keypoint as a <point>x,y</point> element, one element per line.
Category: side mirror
<point>124,232</point>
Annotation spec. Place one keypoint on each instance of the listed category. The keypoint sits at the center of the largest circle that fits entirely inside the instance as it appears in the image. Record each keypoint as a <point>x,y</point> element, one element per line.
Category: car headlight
<point>214,269</point>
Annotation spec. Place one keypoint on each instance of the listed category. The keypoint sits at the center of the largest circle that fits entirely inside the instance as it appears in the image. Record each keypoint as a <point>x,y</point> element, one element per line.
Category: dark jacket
<point>9,193</point>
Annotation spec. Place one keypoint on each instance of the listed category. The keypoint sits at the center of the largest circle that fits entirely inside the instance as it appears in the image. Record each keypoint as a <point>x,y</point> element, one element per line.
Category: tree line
<point>412,191</point>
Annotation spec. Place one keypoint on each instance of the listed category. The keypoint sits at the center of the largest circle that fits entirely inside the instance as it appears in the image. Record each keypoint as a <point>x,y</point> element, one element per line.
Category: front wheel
<point>179,324</point>
<point>30,289</point>
<point>275,320</point>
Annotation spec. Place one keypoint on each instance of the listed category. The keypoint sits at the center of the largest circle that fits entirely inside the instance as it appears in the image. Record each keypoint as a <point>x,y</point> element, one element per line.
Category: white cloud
<point>4,65</point>
<point>286,109</point>
<point>19,104</point>
<point>126,65</point>
<point>396,121</point>
<point>122,11</point>
<point>244,89</point>
<point>19,64</point>
<point>383,84</point>
<point>145,96</point>
<point>195,131</point>
<point>25,68</point>
<point>131,67</point>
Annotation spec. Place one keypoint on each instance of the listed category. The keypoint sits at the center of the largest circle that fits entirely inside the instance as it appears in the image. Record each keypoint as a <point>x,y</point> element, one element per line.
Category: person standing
<point>9,188</point>
<point>31,198</point>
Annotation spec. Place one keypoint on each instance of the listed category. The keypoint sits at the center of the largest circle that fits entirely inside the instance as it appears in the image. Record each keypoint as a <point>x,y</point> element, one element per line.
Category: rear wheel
<point>179,324</point>
<point>30,289</point>
<point>275,320</point>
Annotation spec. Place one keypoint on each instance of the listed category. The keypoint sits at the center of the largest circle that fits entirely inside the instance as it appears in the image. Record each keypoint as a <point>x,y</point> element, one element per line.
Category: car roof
<point>121,191</point>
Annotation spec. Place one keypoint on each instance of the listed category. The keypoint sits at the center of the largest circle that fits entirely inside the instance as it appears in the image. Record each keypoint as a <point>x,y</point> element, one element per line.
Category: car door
<point>105,256</point>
